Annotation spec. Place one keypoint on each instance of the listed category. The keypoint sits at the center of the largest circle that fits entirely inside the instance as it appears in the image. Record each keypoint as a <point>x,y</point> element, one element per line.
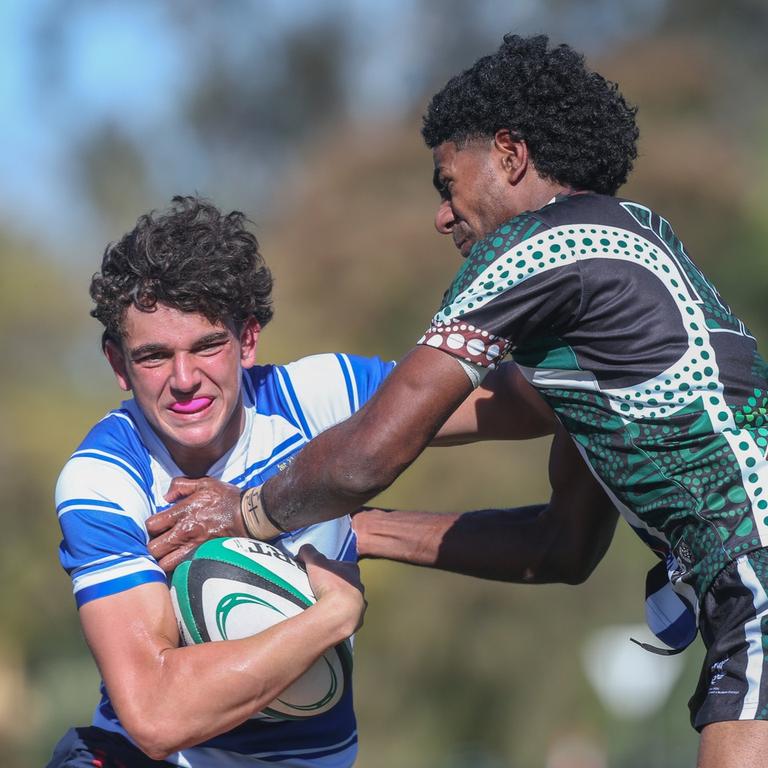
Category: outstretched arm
<point>350,463</point>
<point>504,407</point>
<point>561,541</point>
<point>345,466</point>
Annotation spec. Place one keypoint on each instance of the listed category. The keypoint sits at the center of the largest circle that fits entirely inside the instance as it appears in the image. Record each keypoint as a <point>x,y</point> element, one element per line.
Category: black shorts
<point>93,747</point>
<point>734,626</point>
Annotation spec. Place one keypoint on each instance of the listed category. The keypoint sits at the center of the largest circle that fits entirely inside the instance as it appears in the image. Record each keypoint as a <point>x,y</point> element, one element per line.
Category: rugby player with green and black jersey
<point>658,384</point>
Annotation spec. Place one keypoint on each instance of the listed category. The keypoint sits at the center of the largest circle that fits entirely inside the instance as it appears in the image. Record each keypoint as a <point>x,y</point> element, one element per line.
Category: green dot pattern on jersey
<point>668,489</point>
<point>488,251</point>
<point>685,459</point>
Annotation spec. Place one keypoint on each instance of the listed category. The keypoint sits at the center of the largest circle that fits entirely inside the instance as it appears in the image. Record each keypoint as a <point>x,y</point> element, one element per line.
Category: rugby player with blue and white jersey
<point>183,298</point>
<point>117,479</point>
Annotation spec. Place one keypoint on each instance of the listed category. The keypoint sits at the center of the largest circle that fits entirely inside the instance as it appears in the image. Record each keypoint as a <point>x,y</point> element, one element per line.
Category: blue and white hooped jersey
<point>117,479</point>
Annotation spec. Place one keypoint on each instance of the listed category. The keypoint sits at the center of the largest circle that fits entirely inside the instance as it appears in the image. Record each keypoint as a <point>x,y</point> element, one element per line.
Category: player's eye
<point>211,349</point>
<point>154,358</point>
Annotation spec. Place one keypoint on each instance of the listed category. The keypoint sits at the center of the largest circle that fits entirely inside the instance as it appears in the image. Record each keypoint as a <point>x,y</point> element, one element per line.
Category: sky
<point>70,66</point>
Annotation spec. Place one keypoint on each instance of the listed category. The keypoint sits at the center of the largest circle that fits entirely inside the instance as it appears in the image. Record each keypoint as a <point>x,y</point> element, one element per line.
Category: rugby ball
<point>234,588</point>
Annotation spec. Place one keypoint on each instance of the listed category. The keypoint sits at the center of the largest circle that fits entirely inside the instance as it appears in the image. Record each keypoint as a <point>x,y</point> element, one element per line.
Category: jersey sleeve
<point>102,503</point>
<point>323,390</point>
<point>520,284</point>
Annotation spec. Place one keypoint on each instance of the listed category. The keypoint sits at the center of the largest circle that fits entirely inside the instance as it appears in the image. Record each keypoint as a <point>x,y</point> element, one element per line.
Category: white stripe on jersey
<point>100,561</point>
<point>754,637</point>
<point>85,478</point>
<point>110,573</point>
<point>87,453</point>
<point>118,415</point>
<point>322,390</point>
<point>352,381</point>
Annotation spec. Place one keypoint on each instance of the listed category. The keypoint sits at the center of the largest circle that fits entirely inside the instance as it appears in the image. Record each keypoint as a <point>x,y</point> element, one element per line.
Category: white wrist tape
<point>476,373</point>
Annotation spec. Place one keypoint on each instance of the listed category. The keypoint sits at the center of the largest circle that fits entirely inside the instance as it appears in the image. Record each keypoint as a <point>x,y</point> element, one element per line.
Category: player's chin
<point>465,247</point>
<point>194,436</point>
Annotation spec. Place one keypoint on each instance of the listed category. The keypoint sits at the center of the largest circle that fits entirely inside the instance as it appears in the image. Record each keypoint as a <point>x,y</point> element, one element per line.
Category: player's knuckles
<point>157,548</point>
<point>188,529</point>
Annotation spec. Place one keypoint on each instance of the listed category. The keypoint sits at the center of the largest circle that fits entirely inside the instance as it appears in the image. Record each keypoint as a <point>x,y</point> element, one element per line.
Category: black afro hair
<point>579,129</point>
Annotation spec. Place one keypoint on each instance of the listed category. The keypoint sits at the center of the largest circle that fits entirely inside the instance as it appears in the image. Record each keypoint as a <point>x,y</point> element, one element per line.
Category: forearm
<point>561,541</point>
<point>220,687</point>
<point>558,542</point>
<point>513,545</point>
<point>349,464</point>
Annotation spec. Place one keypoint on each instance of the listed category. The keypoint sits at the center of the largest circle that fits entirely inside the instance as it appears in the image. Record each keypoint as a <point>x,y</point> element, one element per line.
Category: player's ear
<point>249,340</point>
<point>116,358</point>
<point>514,154</point>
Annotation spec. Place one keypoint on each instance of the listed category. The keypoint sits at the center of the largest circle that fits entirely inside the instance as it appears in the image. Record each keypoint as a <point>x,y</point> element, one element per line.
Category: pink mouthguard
<point>192,406</point>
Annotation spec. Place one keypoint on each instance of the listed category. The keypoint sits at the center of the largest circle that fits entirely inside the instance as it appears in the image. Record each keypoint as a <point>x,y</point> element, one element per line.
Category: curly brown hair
<point>191,257</point>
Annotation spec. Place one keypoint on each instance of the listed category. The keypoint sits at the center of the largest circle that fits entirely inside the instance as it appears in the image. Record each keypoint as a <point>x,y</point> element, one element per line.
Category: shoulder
<point>578,212</point>
<point>316,391</point>
<point>112,449</point>
<point>103,497</point>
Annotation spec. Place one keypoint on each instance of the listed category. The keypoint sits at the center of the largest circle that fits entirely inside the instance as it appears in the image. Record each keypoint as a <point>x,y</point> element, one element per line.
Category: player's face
<point>476,196</point>
<point>185,375</point>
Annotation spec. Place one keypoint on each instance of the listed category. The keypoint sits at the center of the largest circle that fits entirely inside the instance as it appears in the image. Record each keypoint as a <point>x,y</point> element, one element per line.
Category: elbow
<point>153,738</point>
<point>581,562</point>
<point>157,751</point>
<point>579,547</point>
<point>155,734</point>
<point>577,573</point>
<point>573,560</point>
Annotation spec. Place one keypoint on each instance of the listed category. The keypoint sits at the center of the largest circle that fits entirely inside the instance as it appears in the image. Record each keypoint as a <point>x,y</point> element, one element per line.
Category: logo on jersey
<point>681,562</point>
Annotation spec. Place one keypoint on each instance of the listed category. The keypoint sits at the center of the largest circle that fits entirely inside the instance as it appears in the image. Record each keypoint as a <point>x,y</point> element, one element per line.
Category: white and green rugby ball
<point>234,588</point>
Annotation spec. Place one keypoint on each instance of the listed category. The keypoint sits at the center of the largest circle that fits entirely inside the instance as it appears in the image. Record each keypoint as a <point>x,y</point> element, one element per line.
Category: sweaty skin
<point>209,688</point>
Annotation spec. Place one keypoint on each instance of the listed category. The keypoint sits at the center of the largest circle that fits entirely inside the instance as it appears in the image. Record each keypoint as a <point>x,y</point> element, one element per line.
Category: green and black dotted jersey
<point>660,385</point>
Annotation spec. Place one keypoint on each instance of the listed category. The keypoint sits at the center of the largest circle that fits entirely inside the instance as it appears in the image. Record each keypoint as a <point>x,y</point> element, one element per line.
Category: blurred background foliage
<point>306,117</point>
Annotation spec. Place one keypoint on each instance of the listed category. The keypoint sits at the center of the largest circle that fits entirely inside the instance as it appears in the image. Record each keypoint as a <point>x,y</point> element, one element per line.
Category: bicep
<point>407,410</point>
<point>504,407</point>
<point>128,633</point>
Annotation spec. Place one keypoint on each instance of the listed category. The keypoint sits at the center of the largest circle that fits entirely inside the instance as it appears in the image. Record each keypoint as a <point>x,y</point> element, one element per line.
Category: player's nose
<point>185,376</point>
<point>444,218</point>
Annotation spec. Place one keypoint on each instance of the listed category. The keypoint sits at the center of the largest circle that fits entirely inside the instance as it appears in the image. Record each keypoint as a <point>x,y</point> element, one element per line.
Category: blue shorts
<point>734,627</point>
<point>92,747</point>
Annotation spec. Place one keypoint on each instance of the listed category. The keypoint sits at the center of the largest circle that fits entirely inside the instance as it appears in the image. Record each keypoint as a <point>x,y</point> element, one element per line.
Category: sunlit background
<point>306,116</point>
